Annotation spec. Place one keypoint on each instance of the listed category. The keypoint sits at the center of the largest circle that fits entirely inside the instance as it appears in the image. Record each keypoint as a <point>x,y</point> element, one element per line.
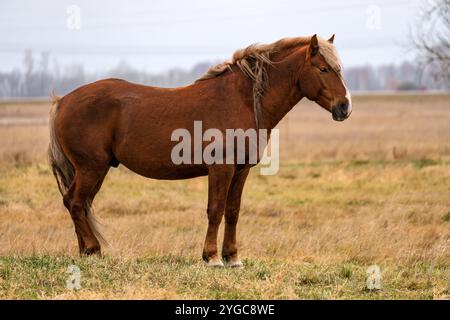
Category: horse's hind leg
<point>85,185</point>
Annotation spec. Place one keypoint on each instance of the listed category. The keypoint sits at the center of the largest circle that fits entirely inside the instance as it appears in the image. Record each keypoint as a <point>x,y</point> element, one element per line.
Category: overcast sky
<point>162,34</point>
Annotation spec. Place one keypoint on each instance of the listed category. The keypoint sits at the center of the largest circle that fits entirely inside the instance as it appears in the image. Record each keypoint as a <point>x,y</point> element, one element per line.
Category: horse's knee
<point>215,215</point>
<point>232,216</point>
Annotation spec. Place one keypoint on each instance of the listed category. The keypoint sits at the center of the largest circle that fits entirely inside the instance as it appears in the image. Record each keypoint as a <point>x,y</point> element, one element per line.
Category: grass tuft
<point>446,217</point>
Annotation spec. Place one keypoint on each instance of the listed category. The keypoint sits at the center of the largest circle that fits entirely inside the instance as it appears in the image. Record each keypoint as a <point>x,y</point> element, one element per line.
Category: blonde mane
<point>253,61</point>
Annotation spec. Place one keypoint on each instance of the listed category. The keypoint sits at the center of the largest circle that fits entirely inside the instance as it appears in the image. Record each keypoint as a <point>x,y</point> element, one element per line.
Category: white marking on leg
<point>215,263</point>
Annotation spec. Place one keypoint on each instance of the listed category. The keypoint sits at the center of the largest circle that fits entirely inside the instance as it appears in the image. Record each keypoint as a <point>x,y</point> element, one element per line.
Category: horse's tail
<point>61,167</point>
<point>64,171</point>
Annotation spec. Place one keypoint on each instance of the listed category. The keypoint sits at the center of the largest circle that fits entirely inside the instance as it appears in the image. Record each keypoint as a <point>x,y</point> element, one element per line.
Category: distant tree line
<point>431,39</point>
<point>40,74</point>
<point>406,76</point>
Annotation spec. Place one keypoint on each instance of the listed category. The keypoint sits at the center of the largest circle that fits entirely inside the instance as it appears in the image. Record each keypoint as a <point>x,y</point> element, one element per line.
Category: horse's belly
<point>165,171</point>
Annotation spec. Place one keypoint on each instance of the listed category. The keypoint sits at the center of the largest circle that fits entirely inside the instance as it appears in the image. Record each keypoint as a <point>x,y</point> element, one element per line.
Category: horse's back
<point>114,121</point>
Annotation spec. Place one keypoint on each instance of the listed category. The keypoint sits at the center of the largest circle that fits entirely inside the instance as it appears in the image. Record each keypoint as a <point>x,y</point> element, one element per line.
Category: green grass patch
<point>425,162</point>
<point>42,277</point>
<point>446,217</point>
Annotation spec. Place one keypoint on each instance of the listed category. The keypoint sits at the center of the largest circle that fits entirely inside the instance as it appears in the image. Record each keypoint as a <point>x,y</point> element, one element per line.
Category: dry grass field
<point>374,189</point>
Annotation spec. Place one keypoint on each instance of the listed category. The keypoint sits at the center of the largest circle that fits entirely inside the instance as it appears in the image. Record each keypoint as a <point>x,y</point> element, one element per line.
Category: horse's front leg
<point>219,180</point>
<point>233,205</point>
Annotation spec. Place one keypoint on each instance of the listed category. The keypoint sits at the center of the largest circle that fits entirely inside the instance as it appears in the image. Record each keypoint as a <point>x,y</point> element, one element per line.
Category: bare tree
<point>431,39</point>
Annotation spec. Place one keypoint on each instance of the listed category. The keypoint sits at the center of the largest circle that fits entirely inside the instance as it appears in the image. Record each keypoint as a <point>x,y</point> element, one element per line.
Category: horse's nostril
<point>343,106</point>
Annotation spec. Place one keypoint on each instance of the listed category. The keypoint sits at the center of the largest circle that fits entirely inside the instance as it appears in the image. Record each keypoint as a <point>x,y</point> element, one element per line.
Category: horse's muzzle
<point>341,112</point>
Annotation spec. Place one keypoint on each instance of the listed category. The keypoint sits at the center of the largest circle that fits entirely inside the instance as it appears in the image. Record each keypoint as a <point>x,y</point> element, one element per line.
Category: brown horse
<point>112,122</point>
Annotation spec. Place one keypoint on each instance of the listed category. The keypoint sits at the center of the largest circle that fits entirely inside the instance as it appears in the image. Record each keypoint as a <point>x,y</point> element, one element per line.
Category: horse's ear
<point>331,40</point>
<point>314,45</point>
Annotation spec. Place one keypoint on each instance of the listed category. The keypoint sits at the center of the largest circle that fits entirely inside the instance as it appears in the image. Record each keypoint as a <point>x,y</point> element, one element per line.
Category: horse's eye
<point>323,70</point>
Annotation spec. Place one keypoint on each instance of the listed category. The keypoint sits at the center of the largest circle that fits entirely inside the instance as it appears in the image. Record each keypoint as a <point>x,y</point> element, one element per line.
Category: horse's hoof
<point>236,264</point>
<point>91,251</point>
<point>215,263</point>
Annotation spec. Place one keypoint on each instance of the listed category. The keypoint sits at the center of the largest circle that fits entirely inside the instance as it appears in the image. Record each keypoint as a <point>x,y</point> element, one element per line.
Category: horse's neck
<point>283,92</point>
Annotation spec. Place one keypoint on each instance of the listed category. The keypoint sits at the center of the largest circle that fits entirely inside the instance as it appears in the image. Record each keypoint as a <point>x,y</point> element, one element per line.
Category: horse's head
<point>323,81</point>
